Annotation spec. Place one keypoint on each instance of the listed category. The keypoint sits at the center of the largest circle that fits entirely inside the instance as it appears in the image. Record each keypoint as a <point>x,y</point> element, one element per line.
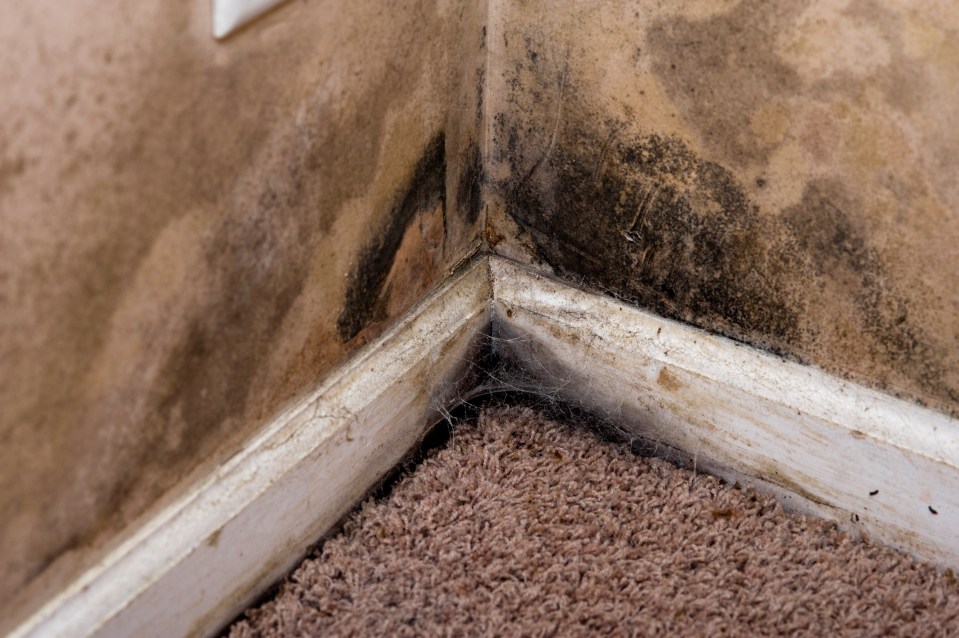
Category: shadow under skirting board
<point>822,445</point>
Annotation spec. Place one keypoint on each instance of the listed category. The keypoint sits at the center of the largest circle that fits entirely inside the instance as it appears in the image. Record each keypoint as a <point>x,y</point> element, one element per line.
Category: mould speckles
<point>480,92</point>
<point>842,262</point>
<point>646,219</point>
<point>469,191</point>
<point>692,225</point>
<point>426,190</point>
<point>651,222</point>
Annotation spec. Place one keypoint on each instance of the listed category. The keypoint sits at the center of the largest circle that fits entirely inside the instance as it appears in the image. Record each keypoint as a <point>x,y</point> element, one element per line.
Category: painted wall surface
<point>193,232</point>
<point>780,172</point>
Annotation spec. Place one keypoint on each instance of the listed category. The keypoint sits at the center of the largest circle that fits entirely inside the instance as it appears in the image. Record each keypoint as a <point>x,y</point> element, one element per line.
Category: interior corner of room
<point>250,254</point>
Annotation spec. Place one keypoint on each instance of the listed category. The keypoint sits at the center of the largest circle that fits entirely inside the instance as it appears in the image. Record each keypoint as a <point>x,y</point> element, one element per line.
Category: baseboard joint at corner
<point>873,463</point>
<point>821,444</point>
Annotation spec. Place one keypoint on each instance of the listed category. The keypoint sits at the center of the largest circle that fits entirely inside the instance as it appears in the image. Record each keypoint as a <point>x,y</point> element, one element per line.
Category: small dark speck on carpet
<point>522,526</point>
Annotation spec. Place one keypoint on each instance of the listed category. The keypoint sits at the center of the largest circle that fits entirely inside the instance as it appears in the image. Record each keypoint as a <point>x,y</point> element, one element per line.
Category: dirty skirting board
<point>205,558</point>
<point>822,445</point>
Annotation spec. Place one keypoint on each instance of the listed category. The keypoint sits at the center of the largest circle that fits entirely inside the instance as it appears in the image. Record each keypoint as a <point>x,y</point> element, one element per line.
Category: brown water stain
<point>668,380</point>
<point>729,60</point>
<point>185,146</point>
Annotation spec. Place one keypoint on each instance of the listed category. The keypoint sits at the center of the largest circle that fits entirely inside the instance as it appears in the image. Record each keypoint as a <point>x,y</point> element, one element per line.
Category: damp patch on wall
<point>426,190</point>
<point>674,187</point>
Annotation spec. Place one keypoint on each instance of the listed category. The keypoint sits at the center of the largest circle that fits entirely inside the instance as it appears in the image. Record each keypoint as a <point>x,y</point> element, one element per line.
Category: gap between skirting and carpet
<point>876,464</point>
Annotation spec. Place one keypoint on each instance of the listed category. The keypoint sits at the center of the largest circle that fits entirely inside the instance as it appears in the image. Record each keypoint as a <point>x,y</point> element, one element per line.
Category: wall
<point>779,172</point>
<point>193,232</point>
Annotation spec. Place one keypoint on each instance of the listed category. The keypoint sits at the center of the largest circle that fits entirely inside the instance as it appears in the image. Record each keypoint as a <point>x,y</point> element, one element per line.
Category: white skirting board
<point>877,464</point>
<point>873,463</point>
<point>206,557</point>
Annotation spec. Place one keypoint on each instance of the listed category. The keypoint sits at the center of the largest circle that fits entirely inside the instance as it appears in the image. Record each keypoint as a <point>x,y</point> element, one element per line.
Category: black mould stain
<point>608,203</point>
<point>837,253</point>
<point>480,92</point>
<point>469,191</point>
<point>648,221</point>
<point>643,218</point>
<point>426,189</point>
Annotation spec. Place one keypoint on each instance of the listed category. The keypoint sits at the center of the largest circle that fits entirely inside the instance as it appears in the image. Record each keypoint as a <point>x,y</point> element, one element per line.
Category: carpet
<point>521,525</point>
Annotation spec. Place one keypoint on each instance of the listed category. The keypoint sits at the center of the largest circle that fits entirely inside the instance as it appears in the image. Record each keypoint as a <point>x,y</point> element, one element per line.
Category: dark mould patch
<point>647,220</point>
<point>425,190</point>
<point>480,92</point>
<point>838,255</point>
<point>469,192</point>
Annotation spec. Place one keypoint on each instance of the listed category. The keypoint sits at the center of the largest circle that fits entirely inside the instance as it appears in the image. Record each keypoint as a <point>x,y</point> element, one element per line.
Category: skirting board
<point>874,463</point>
<point>207,556</point>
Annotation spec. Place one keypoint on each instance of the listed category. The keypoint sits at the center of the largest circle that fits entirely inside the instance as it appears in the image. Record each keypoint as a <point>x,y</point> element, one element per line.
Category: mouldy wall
<point>192,232</point>
<point>780,172</point>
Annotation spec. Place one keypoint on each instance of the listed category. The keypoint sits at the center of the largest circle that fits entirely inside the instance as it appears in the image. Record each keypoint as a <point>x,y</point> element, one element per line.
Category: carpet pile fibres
<point>525,526</point>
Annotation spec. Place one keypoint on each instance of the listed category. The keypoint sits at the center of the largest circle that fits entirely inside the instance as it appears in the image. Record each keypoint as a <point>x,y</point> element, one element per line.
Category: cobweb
<point>510,368</point>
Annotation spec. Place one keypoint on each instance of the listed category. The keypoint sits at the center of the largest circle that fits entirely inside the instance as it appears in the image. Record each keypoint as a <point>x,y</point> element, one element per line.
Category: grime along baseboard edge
<point>876,464</point>
<point>206,557</point>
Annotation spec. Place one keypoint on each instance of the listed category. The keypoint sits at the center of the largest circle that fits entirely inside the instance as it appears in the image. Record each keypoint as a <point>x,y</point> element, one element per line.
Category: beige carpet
<point>522,526</point>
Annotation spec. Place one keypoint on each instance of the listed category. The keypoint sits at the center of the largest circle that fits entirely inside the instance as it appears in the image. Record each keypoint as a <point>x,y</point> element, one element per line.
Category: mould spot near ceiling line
<point>426,189</point>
